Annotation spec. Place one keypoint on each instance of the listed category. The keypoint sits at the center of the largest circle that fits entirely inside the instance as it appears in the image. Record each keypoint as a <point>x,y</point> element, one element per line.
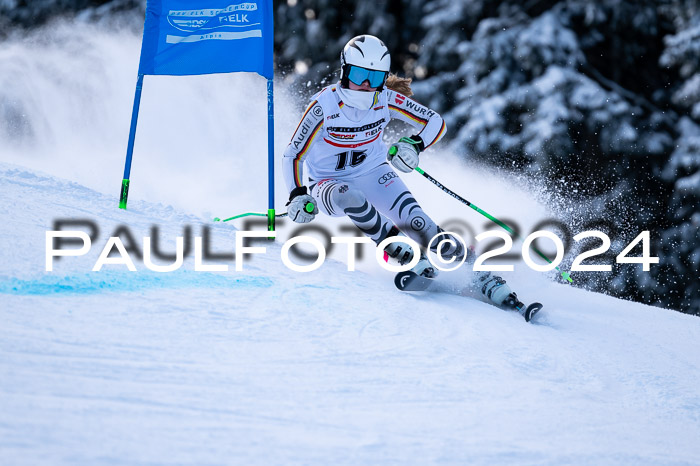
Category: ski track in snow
<point>333,367</point>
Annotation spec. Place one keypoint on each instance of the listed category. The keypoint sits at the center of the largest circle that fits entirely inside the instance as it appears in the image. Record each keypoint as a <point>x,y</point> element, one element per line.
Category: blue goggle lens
<point>359,75</point>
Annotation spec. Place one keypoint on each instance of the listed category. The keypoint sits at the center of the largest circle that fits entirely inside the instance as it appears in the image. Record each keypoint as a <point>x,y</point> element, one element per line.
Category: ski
<point>512,302</point>
<point>410,281</point>
<point>531,310</point>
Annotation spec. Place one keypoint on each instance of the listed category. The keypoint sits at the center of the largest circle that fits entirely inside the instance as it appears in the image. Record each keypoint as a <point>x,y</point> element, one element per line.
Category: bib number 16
<point>355,157</point>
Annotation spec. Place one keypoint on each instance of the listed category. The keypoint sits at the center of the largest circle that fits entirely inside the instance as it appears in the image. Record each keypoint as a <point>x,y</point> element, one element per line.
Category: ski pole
<point>566,275</point>
<point>309,207</point>
<point>248,214</point>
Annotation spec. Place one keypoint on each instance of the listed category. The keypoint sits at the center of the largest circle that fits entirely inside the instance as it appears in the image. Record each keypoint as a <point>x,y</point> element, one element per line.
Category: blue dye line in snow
<point>99,282</point>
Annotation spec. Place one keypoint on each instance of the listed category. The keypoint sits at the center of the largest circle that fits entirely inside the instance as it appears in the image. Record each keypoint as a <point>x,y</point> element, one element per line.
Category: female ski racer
<point>340,139</point>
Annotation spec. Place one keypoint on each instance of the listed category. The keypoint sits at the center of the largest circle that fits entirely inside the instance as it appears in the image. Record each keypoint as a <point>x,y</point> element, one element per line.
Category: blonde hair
<point>400,85</point>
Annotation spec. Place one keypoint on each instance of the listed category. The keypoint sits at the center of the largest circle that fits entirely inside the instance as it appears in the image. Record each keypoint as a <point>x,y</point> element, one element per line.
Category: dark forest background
<point>598,102</point>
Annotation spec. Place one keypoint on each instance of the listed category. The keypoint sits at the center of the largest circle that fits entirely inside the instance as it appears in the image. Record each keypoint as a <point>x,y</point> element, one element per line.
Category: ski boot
<point>420,276</point>
<point>424,268</point>
<point>403,253</point>
<point>495,289</point>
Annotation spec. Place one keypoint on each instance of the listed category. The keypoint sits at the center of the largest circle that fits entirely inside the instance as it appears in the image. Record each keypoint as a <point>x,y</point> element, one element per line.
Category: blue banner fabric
<point>185,37</point>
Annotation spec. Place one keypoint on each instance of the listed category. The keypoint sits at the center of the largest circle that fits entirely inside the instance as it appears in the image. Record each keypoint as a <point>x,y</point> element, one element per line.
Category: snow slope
<point>266,365</point>
<point>269,366</point>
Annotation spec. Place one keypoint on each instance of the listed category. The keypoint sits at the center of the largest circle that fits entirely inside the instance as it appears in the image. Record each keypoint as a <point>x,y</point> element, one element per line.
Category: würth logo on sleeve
<point>399,99</point>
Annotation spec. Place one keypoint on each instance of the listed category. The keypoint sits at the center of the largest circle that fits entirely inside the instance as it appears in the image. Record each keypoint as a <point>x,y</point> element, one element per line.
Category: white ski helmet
<point>363,58</point>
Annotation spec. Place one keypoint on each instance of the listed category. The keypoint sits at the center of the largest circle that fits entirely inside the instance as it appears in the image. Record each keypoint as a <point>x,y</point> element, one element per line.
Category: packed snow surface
<point>267,365</point>
<point>271,366</point>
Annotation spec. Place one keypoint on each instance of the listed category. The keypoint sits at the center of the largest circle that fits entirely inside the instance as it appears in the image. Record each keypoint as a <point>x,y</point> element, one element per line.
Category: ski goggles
<point>358,75</point>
